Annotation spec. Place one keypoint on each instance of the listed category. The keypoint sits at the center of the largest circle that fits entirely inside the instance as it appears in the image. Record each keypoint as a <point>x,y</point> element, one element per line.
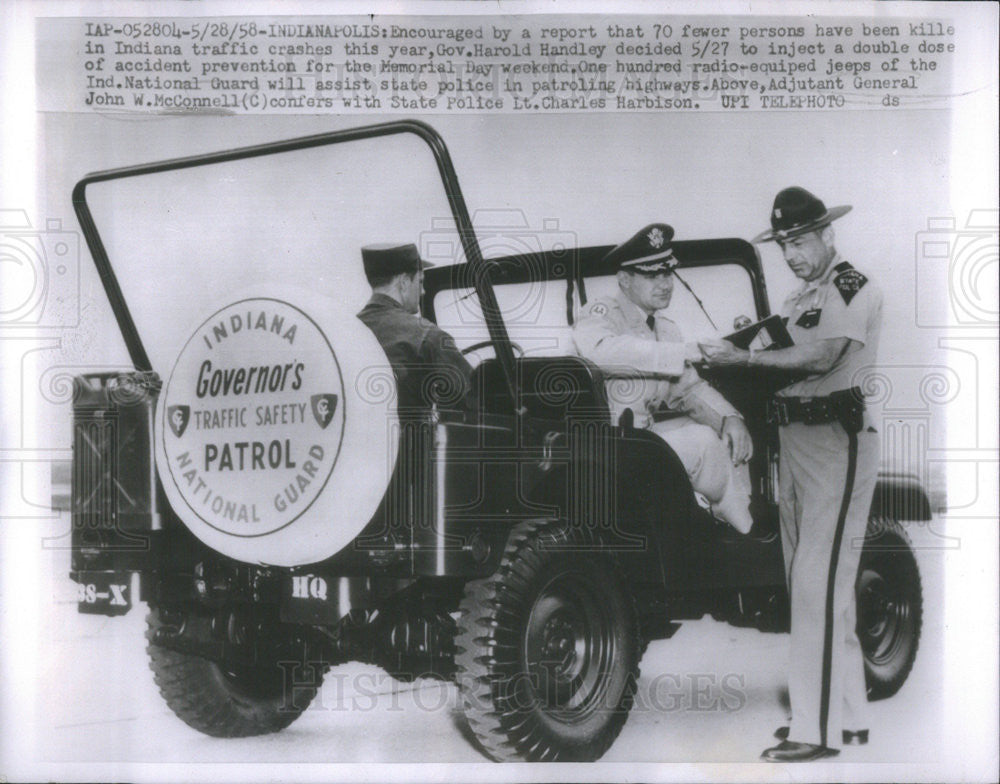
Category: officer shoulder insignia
<point>848,281</point>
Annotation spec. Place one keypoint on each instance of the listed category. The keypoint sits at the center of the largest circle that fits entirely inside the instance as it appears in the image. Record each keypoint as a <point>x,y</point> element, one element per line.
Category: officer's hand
<point>692,353</point>
<point>737,438</point>
<point>722,352</point>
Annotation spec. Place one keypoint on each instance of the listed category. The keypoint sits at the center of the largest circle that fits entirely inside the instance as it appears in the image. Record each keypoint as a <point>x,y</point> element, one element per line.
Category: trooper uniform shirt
<point>428,366</point>
<point>841,304</point>
<point>614,333</point>
<point>827,479</point>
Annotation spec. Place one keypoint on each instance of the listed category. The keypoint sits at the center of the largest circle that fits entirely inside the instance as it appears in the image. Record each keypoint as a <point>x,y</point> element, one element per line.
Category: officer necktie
<point>651,322</point>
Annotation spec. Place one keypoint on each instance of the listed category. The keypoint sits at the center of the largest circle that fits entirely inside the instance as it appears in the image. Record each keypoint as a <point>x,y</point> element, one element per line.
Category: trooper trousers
<point>826,480</point>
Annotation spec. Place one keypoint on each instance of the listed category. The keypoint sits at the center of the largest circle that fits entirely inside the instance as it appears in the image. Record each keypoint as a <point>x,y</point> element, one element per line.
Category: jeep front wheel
<point>233,700</point>
<point>547,650</point>
<point>890,606</point>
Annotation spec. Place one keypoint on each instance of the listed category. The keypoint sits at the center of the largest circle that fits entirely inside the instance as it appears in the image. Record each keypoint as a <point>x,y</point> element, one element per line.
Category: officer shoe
<point>790,751</point>
<point>858,738</point>
<point>735,510</point>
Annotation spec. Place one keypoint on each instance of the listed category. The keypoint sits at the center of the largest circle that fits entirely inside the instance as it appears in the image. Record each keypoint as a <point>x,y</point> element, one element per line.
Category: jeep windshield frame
<point>581,264</point>
<point>476,270</point>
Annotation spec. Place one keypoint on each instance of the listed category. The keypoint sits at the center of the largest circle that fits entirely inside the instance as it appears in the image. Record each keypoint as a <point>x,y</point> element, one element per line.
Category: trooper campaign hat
<point>387,259</point>
<point>796,211</point>
<point>648,252</point>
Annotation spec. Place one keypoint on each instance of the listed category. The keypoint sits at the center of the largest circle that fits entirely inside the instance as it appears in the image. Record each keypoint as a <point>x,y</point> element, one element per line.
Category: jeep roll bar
<point>478,269</point>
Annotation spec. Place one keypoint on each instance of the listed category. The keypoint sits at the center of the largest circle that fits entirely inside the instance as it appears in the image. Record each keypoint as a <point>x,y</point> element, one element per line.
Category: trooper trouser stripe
<point>823,519</point>
<point>824,702</point>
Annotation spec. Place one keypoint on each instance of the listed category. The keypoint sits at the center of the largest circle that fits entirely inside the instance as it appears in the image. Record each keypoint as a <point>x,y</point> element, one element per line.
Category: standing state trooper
<point>629,333</point>
<point>429,368</point>
<point>829,462</point>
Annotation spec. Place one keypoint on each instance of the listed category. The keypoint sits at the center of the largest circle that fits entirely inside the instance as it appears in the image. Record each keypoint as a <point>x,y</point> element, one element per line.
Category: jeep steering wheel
<point>484,343</point>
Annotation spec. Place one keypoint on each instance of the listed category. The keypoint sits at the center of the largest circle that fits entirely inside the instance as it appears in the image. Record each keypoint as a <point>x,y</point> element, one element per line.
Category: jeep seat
<point>553,388</point>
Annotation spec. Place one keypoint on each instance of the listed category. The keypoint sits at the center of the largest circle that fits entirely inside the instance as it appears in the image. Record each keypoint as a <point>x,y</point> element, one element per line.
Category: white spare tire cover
<point>276,430</point>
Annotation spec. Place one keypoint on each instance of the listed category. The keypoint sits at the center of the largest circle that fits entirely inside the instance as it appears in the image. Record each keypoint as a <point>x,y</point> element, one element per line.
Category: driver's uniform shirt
<point>613,333</point>
<point>428,367</point>
<point>827,479</point>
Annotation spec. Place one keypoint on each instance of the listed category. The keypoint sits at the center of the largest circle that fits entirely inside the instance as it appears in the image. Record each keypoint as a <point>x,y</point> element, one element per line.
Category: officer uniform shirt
<point>612,332</point>
<point>844,303</point>
<point>428,366</point>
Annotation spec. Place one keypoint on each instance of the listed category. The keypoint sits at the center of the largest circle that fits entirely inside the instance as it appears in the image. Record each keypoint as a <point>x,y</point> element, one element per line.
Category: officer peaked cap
<point>796,211</point>
<point>648,252</point>
<point>391,259</point>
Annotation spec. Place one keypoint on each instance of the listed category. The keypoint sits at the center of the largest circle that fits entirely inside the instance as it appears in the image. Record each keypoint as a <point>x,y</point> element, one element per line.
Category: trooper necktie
<point>651,322</point>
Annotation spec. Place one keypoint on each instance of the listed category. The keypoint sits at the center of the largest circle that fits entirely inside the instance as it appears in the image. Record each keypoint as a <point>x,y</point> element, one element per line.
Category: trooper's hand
<point>737,438</point>
<point>722,352</point>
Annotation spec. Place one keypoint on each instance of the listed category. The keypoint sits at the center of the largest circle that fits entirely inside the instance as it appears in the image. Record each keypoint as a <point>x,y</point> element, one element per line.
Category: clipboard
<point>764,335</point>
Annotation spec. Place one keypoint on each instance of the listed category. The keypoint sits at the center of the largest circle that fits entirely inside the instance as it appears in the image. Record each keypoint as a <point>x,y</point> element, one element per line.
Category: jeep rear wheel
<point>890,607</point>
<point>231,700</point>
<point>548,650</point>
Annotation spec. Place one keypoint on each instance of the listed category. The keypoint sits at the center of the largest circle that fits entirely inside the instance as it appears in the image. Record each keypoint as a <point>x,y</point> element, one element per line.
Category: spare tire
<point>276,430</point>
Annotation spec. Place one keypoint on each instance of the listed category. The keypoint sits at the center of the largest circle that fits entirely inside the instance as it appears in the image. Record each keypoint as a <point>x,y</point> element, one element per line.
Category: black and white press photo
<point>436,391</point>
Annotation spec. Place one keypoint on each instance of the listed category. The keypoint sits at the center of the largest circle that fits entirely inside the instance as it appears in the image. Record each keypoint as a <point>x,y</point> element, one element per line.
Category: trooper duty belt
<point>846,406</point>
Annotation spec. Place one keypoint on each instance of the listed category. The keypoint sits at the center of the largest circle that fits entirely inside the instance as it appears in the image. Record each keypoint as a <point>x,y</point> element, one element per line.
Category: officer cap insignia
<point>648,252</point>
<point>796,211</point>
<point>849,282</point>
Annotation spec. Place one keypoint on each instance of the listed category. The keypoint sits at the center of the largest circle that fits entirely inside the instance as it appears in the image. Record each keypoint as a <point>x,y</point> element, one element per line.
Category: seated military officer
<point>629,334</point>
<point>429,368</point>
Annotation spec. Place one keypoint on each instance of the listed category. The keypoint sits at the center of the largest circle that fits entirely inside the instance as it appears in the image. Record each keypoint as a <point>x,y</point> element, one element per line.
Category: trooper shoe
<point>858,738</point>
<point>790,751</point>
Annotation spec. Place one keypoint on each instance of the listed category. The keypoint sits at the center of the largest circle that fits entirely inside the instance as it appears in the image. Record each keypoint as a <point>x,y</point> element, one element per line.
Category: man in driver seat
<point>629,334</point>
<point>429,368</point>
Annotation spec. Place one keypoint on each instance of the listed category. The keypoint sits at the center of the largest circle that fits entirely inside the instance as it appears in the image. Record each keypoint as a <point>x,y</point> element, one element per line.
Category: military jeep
<point>519,542</point>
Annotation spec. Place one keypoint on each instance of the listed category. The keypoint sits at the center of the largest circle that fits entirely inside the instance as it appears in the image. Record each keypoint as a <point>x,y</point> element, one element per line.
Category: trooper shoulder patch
<point>849,282</point>
<point>598,309</point>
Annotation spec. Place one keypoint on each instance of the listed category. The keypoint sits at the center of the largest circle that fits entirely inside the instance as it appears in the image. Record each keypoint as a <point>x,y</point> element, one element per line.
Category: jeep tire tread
<point>547,649</point>
<point>225,703</point>
<point>890,607</point>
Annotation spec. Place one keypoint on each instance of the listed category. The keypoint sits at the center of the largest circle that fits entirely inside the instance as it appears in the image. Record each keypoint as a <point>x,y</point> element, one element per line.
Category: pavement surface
<point>711,694</point>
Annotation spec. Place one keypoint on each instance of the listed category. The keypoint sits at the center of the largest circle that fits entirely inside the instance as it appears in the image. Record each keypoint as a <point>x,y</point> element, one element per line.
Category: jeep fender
<point>900,497</point>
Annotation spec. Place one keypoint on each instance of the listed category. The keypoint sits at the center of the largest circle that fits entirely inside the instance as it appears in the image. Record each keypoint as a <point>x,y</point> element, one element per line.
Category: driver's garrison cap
<point>390,258</point>
<point>648,252</point>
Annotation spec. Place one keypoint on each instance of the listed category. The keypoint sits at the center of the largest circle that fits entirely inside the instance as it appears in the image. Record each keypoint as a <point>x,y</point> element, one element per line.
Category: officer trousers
<point>827,479</point>
<point>709,467</point>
